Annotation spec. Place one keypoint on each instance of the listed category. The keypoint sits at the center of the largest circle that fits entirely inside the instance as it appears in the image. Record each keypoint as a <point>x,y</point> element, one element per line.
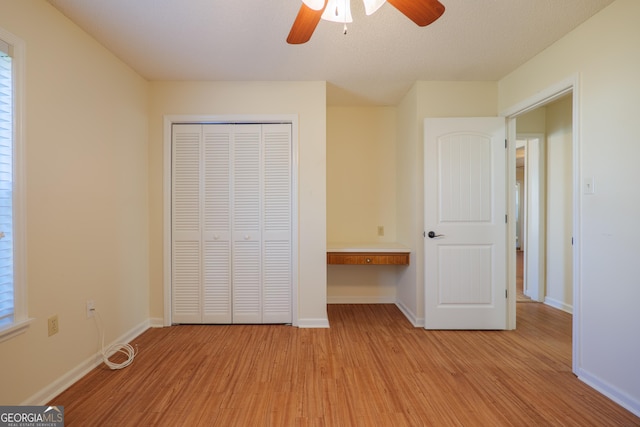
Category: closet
<point>231,223</point>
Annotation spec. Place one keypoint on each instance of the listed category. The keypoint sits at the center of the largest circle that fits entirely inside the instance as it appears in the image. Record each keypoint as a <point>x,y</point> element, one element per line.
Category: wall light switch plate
<point>588,186</point>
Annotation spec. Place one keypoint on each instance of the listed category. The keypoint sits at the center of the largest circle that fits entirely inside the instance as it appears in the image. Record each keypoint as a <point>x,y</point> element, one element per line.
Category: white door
<point>465,223</point>
<point>277,226</point>
<point>216,223</point>
<point>247,218</point>
<point>200,218</point>
<point>186,232</point>
<point>262,225</point>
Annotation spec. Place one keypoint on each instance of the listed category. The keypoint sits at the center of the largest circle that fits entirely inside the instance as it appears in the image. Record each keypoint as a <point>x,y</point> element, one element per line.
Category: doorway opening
<point>545,215</point>
<point>545,129</point>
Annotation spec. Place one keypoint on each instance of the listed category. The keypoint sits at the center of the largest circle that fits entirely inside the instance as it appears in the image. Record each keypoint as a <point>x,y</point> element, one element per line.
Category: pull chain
<point>344,31</point>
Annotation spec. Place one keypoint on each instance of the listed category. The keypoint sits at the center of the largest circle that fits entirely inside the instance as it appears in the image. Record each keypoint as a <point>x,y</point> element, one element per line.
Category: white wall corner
<point>156,322</point>
<point>416,321</point>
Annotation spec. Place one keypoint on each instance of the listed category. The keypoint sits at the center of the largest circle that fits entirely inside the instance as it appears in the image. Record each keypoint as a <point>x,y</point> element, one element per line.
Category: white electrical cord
<point>125,349</point>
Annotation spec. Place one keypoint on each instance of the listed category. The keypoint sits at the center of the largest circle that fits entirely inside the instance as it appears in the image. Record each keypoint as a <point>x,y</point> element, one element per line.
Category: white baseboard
<point>621,398</point>
<point>156,322</point>
<point>65,381</point>
<point>416,321</point>
<point>559,305</point>
<point>313,323</point>
<point>360,300</point>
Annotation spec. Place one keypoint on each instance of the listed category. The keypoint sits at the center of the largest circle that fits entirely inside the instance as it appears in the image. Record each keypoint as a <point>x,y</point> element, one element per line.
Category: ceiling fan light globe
<point>314,4</point>
<point>371,6</point>
<point>338,11</point>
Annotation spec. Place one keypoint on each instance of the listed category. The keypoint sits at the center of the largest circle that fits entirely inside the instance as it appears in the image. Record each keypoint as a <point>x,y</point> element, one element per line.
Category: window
<point>13,313</point>
<point>6,189</point>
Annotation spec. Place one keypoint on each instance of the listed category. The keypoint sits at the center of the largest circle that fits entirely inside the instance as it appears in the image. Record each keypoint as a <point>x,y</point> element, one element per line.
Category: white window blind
<point>6,188</point>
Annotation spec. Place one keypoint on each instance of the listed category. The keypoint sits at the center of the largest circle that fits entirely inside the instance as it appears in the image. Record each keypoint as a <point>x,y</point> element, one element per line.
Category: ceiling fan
<point>422,12</point>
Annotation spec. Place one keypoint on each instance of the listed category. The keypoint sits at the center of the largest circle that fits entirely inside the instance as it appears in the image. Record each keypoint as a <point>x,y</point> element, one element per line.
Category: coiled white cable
<point>125,349</point>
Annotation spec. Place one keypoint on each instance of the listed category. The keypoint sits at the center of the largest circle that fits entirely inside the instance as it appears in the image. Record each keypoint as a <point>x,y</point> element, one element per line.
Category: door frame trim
<point>570,85</point>
<point>168,122</point>
<point>534,247</point>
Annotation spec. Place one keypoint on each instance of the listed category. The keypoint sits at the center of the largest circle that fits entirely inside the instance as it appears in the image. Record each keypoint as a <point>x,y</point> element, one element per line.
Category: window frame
<point>21,320</point>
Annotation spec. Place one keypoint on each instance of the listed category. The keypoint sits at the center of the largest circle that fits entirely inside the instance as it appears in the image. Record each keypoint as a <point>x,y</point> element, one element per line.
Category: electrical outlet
<point>90,309</point>
<point>54,326</point>
<point>380,230</point>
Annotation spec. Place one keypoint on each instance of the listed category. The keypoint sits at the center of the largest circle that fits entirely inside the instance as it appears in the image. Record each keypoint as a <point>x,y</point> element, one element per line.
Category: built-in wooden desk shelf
<point>368,254</point>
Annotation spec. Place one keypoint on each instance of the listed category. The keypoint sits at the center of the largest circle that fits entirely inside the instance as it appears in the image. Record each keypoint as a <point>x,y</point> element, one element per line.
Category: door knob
<point>432,234</point>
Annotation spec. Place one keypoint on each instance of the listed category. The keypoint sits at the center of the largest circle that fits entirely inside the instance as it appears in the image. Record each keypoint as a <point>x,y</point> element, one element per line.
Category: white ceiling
<point>378,60</point>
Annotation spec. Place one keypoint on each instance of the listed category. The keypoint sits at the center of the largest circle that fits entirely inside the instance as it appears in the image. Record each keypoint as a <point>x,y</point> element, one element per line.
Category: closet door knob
<point>247,237</point>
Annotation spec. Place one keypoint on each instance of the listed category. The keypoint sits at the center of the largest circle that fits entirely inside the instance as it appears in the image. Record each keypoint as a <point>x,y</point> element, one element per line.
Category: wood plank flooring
<point>371,368</point>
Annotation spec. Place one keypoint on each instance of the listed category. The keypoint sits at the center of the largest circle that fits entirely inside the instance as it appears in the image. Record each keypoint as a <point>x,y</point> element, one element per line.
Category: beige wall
<point>408,170</point>
<point>559,223</point>
<point>361,195</point>
<point>604,54</point>
<point>87,216</point>
<point>532,122</point>
<point>307,100</point>
<point>361,173</point>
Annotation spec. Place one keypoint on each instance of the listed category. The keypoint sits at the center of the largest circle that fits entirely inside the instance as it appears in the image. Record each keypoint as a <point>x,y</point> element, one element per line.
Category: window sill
<point>15,329</point>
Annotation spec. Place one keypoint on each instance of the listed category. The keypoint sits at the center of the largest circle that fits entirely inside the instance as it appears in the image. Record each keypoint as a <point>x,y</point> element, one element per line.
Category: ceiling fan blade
<point>305,24</point>
<point>422,12</point>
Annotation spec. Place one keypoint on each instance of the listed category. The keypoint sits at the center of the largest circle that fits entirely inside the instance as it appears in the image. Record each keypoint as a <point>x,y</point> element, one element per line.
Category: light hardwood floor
<point>371,368</point>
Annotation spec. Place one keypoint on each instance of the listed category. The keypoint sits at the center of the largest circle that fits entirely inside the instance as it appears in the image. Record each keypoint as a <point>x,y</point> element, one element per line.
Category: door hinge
<point>506,293</point>
<point>506,219</point>
<point>505,143</point>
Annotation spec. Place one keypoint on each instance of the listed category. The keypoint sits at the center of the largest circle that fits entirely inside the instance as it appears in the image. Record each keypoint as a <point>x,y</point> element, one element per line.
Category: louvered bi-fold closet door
<point>231,224</point>
<point>277,224</point>
<point>216,219</point>
<point>247,207</point>
<point>201,237</point>
<point>262,267</point>
<point>186,232</point>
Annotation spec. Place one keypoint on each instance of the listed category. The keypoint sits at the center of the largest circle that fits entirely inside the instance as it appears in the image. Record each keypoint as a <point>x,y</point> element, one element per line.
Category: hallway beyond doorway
<point>520,296</point>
